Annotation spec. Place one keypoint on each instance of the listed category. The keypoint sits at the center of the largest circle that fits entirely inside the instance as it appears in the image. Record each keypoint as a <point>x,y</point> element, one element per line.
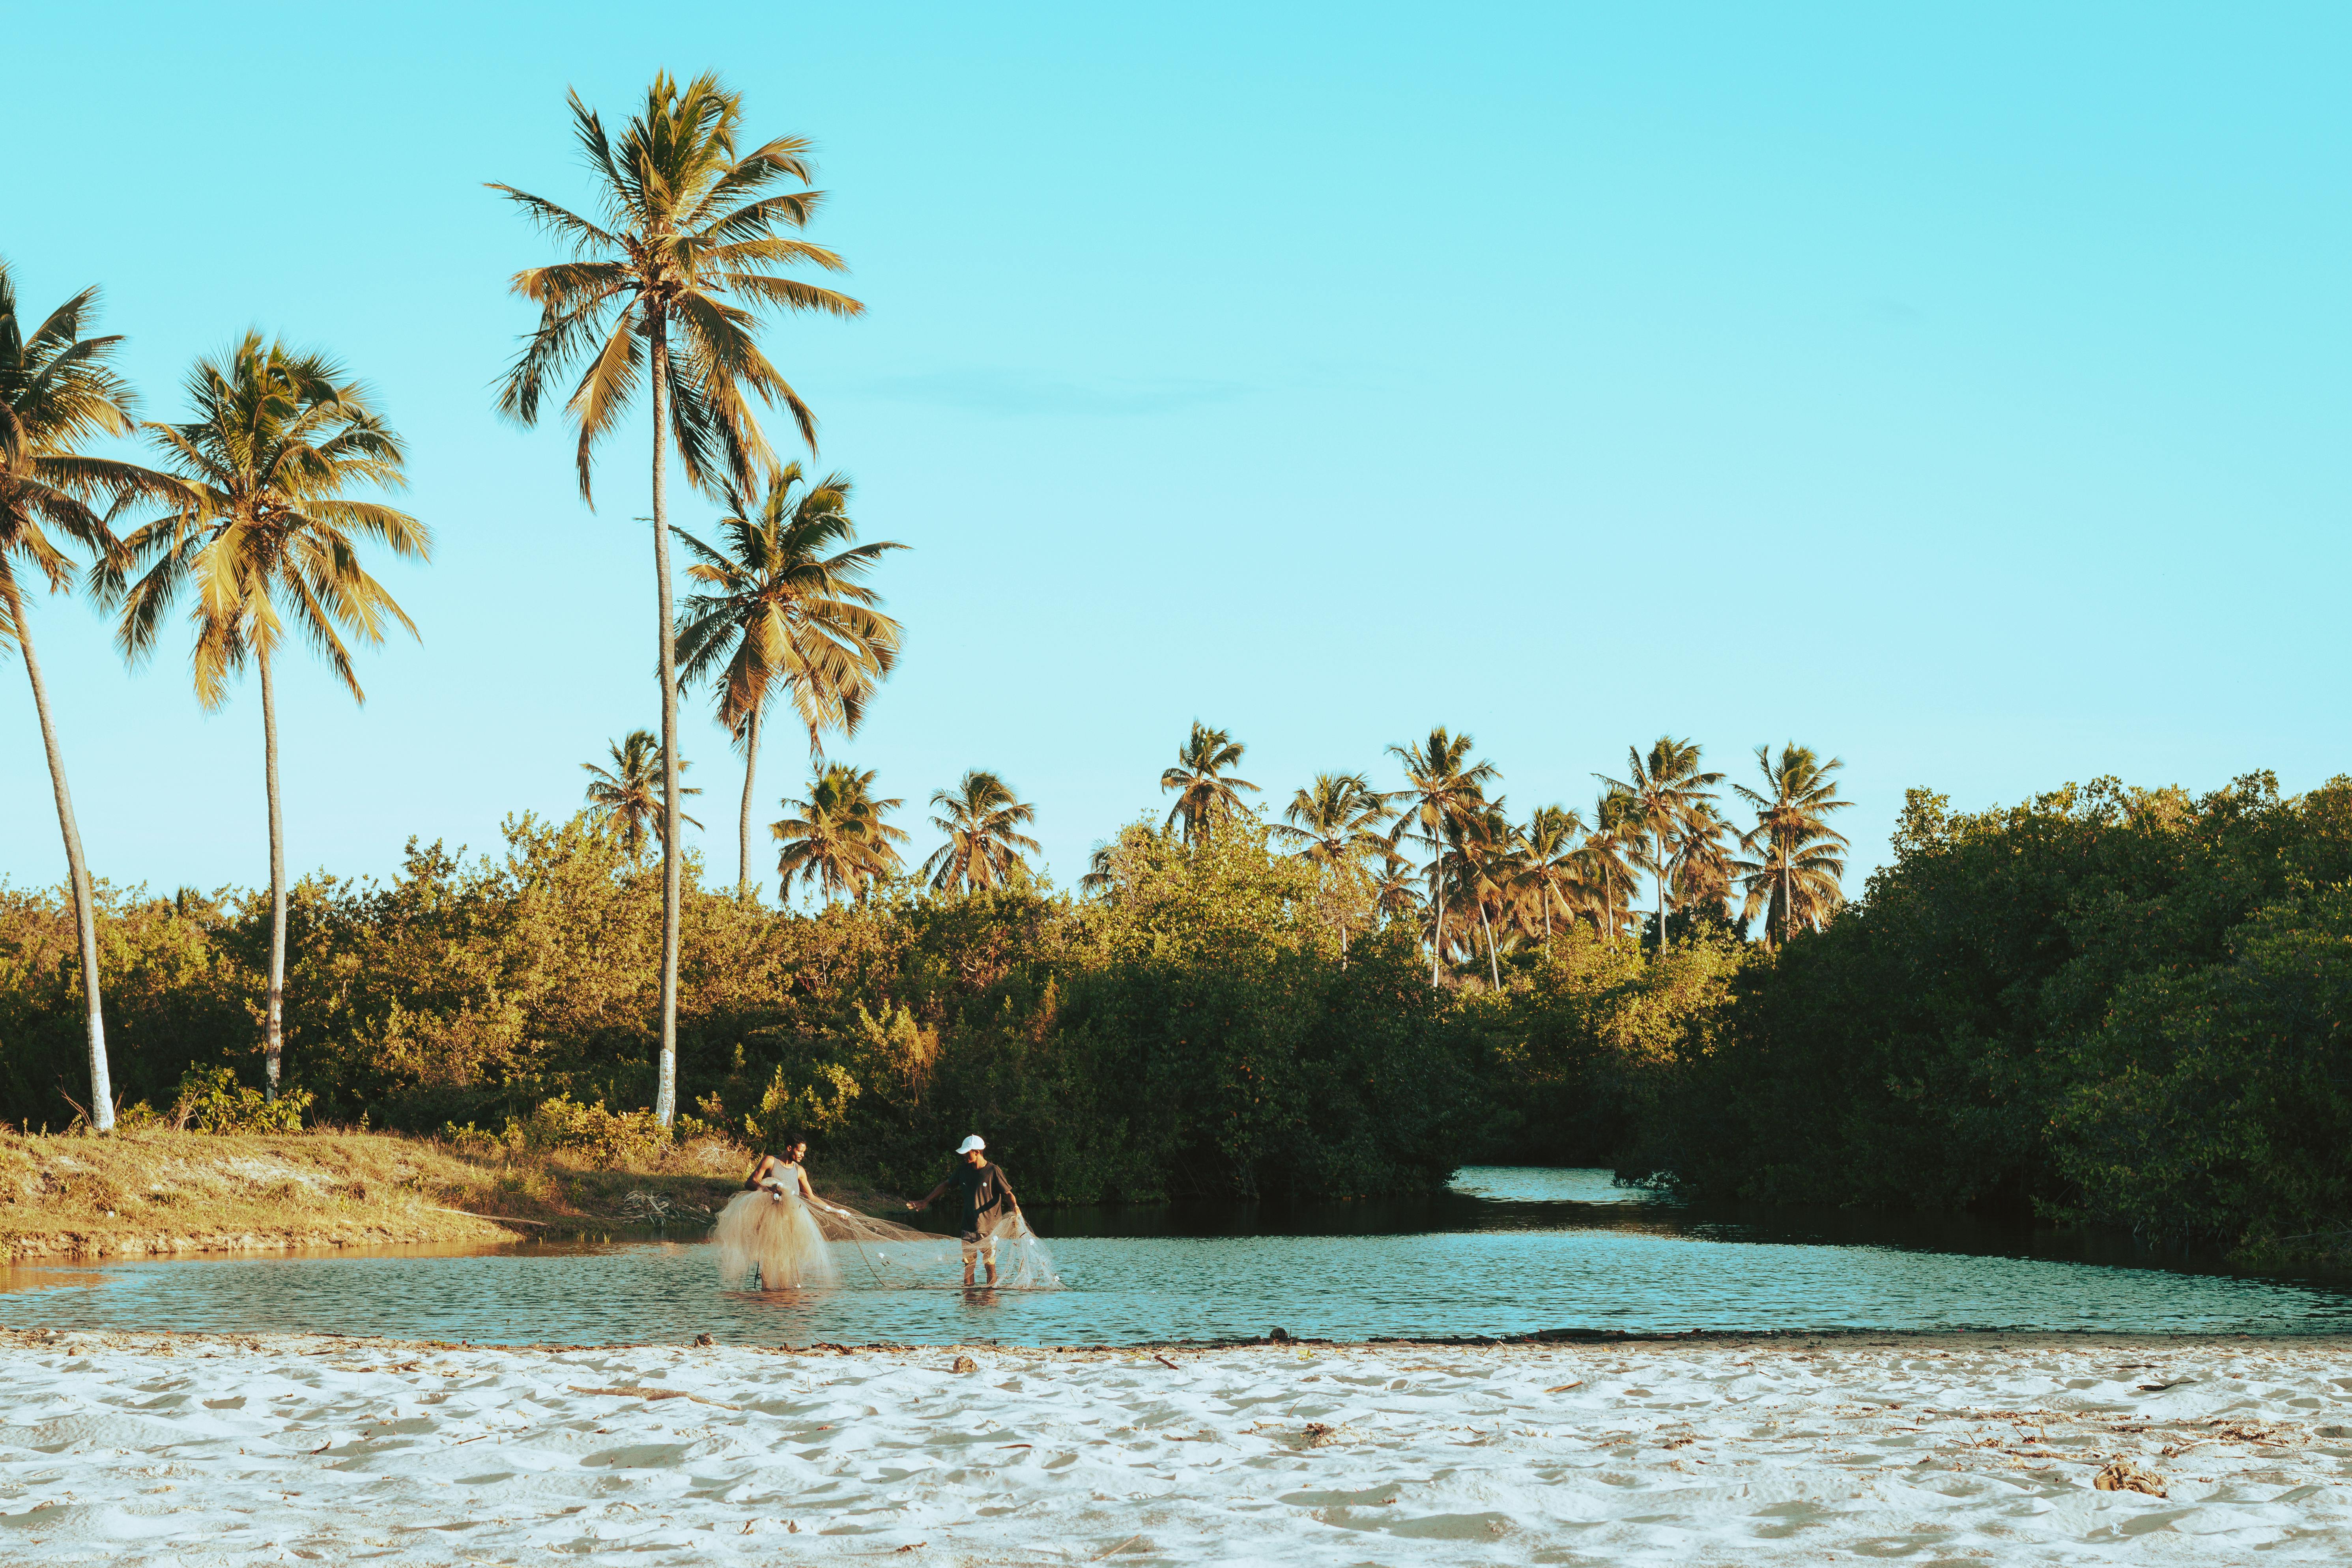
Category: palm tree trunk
<point>1494,971</point>
<point>666,1089</point>
<point>751,767</point>
<point>1787,911</point>
<point>273,1048</point>
<point>1437,874</point>
<point>1661,895</point>
<point>101,1088</point>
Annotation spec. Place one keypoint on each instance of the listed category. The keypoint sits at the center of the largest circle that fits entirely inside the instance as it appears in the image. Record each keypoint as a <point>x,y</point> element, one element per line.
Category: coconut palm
<point>982,850</point>
<point>1205,796</point>
<point>1548,873</point>
<point>840,843</point>
<point>269,534</point>
<point>1802,862</point>
<point>1334,823</point>
<point>667,290</point>
<point>1702,863</point>
<point>1605,869</point>
<point>782,608</point>
<point>57,393</point>
<point>1440,789</point>
<point>1396,890</point>
<point>629,794</point>
<point>1665,791</point>
<point>1477,863</point>
<point>1102,870</point>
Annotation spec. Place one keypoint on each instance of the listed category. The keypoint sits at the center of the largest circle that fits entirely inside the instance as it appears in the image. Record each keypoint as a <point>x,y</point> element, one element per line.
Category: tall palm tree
<point>1205,796</point>
<point>668,288</point>
<point>1604,868</point>
<point>1666,790</point>
<point>1396,890</point>
<point>1478,863</point>
<point>781,606</point>
<point>57,392</point>
<point>1548,874</point>
<point>1702,865</point>
<point>269,533</point>
<point>1440,789</point>
<point>1102,870</point>
<point>629,792</point>
<point>1802,861</point>
<point>842,843</point>
<point>982,850</point>
<point>1334,822</point>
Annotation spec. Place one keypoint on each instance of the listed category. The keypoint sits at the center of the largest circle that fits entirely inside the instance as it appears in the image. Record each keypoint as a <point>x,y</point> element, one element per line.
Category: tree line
<point>1441,852</point>
<point>2104,1005</point>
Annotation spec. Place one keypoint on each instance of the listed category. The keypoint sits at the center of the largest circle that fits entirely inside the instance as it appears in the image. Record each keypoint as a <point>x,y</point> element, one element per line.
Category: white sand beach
<point>158,1449</point>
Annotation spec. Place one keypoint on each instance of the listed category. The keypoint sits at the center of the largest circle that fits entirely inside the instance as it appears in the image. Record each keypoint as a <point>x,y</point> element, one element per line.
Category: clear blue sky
<point>1966,398</point>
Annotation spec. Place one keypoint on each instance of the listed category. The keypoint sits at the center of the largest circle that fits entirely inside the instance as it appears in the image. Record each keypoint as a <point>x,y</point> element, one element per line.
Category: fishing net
<point>774,1237</point>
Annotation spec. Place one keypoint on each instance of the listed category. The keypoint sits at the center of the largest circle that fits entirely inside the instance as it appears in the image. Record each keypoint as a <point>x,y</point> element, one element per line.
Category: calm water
<point>1507,1251</point>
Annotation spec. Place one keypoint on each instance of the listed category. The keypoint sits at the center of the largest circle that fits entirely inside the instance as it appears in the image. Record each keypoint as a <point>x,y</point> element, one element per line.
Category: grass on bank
<point>158,1191</point>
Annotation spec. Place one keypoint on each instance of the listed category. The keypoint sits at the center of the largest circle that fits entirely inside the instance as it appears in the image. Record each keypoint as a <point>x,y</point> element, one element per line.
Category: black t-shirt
<point>986,1195</point>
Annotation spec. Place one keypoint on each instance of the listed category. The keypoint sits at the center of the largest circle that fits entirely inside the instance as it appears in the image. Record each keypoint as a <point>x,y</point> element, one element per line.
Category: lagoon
<point>1504,1251</point>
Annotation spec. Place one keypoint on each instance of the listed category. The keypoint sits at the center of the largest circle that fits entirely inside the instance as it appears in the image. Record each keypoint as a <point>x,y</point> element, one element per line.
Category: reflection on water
<point>1507,1251</point>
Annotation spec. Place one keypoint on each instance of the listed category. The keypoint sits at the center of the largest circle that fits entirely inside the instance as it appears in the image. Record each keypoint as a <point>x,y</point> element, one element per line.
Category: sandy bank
<point>151,1449</point>
<point>145,1194</point>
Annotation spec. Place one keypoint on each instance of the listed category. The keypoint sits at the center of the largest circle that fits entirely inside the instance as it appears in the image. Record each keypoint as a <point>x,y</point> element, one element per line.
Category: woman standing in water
<point>770,1225</point>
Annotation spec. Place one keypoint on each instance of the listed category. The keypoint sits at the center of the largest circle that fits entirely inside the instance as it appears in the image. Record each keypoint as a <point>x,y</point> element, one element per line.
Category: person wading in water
<point>989,1204</point>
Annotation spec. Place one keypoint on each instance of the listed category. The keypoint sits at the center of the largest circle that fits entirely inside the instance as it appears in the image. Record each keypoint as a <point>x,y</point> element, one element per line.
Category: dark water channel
<point>1508,1250</point>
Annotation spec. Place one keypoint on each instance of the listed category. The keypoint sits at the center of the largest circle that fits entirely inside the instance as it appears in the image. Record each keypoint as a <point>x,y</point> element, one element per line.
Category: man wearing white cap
<point>988,1203</point>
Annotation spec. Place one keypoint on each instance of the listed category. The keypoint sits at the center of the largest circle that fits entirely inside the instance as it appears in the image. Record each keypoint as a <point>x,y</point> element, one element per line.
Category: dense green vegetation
<point>1189,1031</point>
<point>2115,1006</point>
<point>2110,1003</point>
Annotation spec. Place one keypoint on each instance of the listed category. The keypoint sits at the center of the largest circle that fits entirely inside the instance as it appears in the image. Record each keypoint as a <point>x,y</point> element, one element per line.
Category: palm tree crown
<point>840,843</point>
<point>628,795</point>
<point>1701,866</point>
<point>1475,863</point>
<point>1604,861</point>
<point>1442,789</point>
<point>57,392</point>
<point>983,850</point>
<point>1796,877</point>
<point>1549,868</point>
<point>1334,822</point>
<point>783,606</point>
<point>1206,797</point>
<point>1667,799</point>
<point>689,228</point>
<point>264,532</point>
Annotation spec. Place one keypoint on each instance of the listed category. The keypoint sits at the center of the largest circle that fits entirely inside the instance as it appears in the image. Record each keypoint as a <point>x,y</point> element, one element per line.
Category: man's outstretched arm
<point>928,1198</point>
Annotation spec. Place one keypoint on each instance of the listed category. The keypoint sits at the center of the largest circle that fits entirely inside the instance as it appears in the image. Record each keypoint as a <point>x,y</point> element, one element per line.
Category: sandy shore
<point>156,1449</point>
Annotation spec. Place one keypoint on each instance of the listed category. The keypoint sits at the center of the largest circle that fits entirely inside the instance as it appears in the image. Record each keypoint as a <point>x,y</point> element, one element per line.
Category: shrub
<point>605,1137</point>
<point>212,1101</point>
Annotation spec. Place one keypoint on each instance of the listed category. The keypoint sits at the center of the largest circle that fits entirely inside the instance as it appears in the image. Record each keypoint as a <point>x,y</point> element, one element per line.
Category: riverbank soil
<point>155,1193</point>
<point>1938,1449</point>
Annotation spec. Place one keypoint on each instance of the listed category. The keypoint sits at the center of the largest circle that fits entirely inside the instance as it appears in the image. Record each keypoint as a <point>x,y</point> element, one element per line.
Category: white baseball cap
<point>969,1144</point>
